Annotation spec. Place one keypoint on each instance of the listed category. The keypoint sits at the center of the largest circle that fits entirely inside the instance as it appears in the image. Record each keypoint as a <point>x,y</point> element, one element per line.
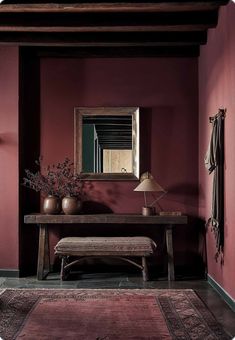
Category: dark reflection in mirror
<point>107,142</point>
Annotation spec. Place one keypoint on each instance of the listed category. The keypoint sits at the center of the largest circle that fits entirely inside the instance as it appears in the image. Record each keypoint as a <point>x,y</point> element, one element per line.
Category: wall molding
<point>9,273</point>
<point>220,290</point>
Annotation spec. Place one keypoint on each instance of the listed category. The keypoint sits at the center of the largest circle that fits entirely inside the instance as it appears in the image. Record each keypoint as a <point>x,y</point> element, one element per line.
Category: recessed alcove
<point>52,85</point>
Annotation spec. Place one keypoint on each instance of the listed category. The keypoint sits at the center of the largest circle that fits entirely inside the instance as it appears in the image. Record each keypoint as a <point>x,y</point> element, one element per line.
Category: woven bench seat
<point>118,247</point>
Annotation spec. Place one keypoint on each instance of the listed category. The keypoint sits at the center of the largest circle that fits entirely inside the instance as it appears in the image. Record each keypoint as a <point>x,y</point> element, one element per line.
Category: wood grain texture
<point>111,7</point>
<point>60,24</point>
<point>118,247</point>
<point>104,219</point>
<point>43,253</point>
<point>44,221</point>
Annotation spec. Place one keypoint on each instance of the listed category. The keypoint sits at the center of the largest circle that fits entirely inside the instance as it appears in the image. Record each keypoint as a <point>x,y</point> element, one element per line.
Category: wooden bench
<point>115,247</point>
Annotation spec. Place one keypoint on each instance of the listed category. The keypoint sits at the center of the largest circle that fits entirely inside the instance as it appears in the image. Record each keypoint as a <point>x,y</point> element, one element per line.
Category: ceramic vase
<point>71,205</point>
<point>51,205</point>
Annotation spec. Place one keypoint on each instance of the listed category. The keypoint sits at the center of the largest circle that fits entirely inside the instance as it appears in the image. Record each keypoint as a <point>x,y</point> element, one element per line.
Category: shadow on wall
<point>185,193</point>
<point>91,207</point>
<point>190,248</point>
<point>8,139</point>
<point>105,192</point>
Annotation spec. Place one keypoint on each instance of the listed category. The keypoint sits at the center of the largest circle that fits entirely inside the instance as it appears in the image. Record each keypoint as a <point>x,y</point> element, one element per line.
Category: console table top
<point>104,219</point>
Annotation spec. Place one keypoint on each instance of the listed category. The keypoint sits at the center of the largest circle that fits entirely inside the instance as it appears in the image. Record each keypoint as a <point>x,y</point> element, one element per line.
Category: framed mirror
<point>106,143</point>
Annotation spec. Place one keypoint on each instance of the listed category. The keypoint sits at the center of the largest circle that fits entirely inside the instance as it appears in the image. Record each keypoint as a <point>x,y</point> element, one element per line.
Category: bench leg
<point>63,271</point>
<point>144,269</point>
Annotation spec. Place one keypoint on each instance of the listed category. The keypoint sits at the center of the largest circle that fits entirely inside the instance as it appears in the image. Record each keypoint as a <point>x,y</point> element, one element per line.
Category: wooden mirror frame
<point>79,112</point>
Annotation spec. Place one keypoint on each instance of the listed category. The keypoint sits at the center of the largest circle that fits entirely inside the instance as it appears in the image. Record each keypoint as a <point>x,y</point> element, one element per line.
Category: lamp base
<point>148,211</point>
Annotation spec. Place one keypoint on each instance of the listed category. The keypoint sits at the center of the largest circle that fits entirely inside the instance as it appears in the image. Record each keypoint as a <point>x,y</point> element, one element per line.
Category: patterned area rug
<point>106,315</point>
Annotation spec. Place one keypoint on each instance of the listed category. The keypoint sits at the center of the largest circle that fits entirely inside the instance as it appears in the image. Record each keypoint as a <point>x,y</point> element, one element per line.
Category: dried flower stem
<point>57,179</point>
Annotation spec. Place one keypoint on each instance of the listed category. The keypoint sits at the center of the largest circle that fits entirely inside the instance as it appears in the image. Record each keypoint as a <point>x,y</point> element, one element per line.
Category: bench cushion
<point>123,246</point>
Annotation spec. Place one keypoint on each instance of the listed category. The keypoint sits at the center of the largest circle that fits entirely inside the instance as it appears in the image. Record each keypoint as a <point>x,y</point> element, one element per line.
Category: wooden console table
<point>44,222</point>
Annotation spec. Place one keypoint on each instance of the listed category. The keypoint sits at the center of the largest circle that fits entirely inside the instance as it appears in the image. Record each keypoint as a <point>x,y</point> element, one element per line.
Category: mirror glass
<point>107,142</point>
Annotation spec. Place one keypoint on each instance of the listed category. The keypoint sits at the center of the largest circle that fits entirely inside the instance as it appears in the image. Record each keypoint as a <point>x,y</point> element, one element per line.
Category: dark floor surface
<point>132,280</point>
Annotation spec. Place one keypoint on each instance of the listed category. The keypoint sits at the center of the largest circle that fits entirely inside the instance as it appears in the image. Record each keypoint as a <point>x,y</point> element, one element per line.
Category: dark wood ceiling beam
<point>107,122</point>
<point>136,28</point>
<point>115,139</point>
<point>115,52</point>
<point>107,118</point>
<point>114,129</point>
<point>102,7</point>
<point>108,28</point>
<point>116,146</point>
<point>98,45</point>
<point>71,20</point>
<point>105,38</point>
<point>114,132</point>
<point>115,142</point>
<point>137,22</point>
<point>115,135</point>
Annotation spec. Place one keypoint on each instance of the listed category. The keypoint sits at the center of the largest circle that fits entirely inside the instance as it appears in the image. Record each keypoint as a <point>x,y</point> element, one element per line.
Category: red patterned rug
<point>97,314</point>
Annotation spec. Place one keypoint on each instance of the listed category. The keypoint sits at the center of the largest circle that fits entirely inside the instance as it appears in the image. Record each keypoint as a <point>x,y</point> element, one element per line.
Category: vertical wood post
<point>170,253</point>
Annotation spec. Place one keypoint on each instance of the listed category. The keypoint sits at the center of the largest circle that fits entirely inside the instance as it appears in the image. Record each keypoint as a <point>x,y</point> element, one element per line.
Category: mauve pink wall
<point>217,90</point>
<point>9,181</point>
<point>167,88</point>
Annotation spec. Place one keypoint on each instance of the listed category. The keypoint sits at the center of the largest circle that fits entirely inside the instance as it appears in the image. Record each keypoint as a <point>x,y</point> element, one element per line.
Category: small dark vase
<point>51,205</point>
<point>71,205</point>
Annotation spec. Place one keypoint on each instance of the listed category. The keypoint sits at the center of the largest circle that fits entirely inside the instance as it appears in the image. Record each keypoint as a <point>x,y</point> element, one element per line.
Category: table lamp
<point>148,184</point>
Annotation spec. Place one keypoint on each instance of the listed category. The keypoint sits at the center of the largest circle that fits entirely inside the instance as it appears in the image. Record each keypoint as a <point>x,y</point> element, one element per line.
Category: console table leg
<point>43,252</point>
<point>170,253</point>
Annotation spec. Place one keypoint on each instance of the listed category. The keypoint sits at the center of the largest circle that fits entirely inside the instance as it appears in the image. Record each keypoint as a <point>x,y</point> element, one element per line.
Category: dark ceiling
<point>133,28</point>
<point>113,132</point>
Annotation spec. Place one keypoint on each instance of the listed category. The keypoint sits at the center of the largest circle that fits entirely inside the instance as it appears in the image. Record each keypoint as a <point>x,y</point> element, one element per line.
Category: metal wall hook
<point>221,113</point>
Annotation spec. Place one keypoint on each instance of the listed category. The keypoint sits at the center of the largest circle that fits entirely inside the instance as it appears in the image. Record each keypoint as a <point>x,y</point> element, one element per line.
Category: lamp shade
<point>149,184</point>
